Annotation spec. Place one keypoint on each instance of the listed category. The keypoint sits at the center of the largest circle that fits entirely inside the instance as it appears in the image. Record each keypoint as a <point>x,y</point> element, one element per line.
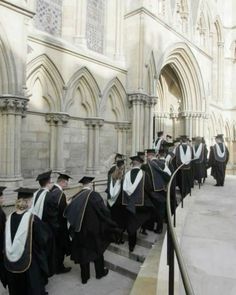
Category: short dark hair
<point>44,182</point>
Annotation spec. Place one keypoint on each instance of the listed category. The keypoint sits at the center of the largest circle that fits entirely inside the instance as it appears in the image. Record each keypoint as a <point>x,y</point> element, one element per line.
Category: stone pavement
<point>209,239</point>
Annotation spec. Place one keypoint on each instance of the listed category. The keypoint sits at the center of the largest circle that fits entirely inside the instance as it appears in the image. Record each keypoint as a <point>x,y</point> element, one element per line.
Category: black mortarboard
<point>136,158</point>
<point>168,136</point>
<point>150,151</point>
<point>220,136</point>
<point>86,179</point>
<point>25,192</point>
<point>140,154</point>
<point>44,176</point>
<point>2,188</point>
<point>160,133</point>
<point>120,163</point>
<point>184,138</point>
<point>119,155</point>
<point>64,176</point>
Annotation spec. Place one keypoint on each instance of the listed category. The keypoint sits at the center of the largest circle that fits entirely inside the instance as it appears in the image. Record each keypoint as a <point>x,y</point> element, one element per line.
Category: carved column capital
<point>94,122</point>
<point>57,118</point>
<point>13,104</point>
<point>135,98</point>
<point>123,126</point>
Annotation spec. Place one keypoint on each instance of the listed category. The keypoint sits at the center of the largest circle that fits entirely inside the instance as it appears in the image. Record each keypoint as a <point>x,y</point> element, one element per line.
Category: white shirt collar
<point>56,184</point>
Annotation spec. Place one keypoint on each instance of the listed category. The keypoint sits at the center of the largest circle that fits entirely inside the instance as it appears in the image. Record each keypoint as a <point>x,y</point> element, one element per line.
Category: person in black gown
<point>62,239</point>
<point>25,256</point>
<point>3,277</point>
<point>91,229</point>
<point>45,207</point>
<point>218,159</point>
<point>114,197</point>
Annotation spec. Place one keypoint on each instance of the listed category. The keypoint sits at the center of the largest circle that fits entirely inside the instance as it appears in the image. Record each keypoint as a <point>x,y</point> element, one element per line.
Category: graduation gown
<point>91,226</point>
<point>27,276</point>
<point>114,203</point>
<point>218,163</point>
<point>62,233</point>
<point>48,214</point>
<point>138,205</point>
<point>3,276</point>
<point>184,176</point>
<point>199,165</point>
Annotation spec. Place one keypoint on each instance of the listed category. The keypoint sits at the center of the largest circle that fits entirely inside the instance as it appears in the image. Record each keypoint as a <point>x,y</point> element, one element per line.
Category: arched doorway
<point>181,107</point>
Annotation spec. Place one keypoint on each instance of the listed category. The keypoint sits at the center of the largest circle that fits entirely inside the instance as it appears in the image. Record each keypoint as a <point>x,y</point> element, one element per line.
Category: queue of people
<point>45,227</point>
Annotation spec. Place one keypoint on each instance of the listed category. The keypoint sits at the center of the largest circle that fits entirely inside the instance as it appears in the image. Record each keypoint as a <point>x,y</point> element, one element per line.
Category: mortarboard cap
<point>160,133</point>
<point>136,158</point>
<point>140,154</point>
<point>86,179</point>
<point>220,136</point>
<point>151,151</point>
<point>25,192</point>
<point>120,163</point>
<point>44,176</point>
<point>2,188</point>
<point>119,155</point>
<point>64,176</point>
<point>168,136</point>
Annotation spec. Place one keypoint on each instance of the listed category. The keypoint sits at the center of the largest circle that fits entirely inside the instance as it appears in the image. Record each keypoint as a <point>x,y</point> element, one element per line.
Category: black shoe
<point>105,272</point>
<point>131,249</point>
<point>143,232</point>
<point>84,282</point>
<point>64,270</point>
<point>217,185</point>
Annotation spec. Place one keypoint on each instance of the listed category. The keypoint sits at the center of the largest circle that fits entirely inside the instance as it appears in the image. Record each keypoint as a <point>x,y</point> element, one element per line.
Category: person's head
<point>150,154</point>
<point>24,198</point>
<point>86,181</point>
<point>44,179</point>
<point>141,155</point>
<point>63,180</point>
<point>2,188</point>
<point>136,161</point>
<point>168,138</point>
<point>118,157</point>
<point>198,140</point>
<point>184,139</point>
<point>161,153</point>
<point>219,138</point>
<point>160,133</point>
<point>119,171</point>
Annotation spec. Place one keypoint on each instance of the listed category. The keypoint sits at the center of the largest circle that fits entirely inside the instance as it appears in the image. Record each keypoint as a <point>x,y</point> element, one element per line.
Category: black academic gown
<point>137,215</point>
<point>199,165</point>
<point>63,244</point>
<point>117,210</point>
<point>91,226</point>
<point>50,218</point>
<point>218,165</point>
<point>184,177</point>
<point>31,281</point>
<point>3,277</point>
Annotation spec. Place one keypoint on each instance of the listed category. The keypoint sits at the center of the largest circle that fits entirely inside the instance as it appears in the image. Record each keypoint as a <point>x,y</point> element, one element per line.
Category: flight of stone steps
<point>119,259</point>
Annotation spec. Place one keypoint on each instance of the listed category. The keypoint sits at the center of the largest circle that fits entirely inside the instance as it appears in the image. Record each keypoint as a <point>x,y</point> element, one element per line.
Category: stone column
<point>93,155</point>
<point>80,24</point>
<point>57,122</point>
<point>151,102</point>
<point>12,110</point>
<point>122,128</point>
<point>220,76</point>
<point>119,30</point>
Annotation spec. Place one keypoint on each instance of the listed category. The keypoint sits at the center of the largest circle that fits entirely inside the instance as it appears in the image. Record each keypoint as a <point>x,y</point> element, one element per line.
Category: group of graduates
<point>46,227</point>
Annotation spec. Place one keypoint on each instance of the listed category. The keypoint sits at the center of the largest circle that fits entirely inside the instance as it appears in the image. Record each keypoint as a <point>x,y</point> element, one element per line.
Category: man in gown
<point>3,277</point>
<point>91,229</point>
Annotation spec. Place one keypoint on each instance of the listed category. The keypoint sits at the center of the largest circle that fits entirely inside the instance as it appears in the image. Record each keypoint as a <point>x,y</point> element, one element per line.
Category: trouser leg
<point>132,238</point>
<point>99,266</point>
<point>85,272</point>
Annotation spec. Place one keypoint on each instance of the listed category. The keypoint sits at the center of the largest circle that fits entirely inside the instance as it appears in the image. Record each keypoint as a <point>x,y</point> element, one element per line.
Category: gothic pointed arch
<point>43,75</point>
<point>83,91</point>
<point>115,98</point>
<point>8,77</point>
<point>183,62</point>
<point>151,75</point>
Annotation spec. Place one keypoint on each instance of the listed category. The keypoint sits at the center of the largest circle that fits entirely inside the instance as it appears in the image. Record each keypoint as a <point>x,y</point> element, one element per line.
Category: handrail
<point>176,247</point>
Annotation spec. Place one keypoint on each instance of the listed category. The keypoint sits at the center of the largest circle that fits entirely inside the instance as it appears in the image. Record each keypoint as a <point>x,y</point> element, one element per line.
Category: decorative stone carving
<point>48,16</point>
<point>13,104</point>
<point>95,25</point>
<point>56,118</point>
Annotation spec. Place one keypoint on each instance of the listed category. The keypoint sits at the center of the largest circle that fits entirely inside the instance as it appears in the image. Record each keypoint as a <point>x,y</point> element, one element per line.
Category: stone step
<point>139,254</point>
<point>122,264</point>
<point>145,241</point>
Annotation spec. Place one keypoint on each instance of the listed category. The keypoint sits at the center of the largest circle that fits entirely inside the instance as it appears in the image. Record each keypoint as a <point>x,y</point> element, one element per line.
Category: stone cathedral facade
<point>83,79</point>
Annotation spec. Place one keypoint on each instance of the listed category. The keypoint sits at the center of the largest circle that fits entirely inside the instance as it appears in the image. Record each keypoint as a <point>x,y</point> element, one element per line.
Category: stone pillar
<point>80,24</point>
<point>57,122</point>
<point>220,76</point>
<point>122,128</point>
<point>93,148</point>
<point>142,122</point>
<point>12,110</point>
<point>119,30</point>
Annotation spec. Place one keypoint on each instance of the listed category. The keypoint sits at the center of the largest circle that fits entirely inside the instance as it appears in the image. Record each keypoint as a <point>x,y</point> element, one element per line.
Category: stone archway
<point>181,107</point>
